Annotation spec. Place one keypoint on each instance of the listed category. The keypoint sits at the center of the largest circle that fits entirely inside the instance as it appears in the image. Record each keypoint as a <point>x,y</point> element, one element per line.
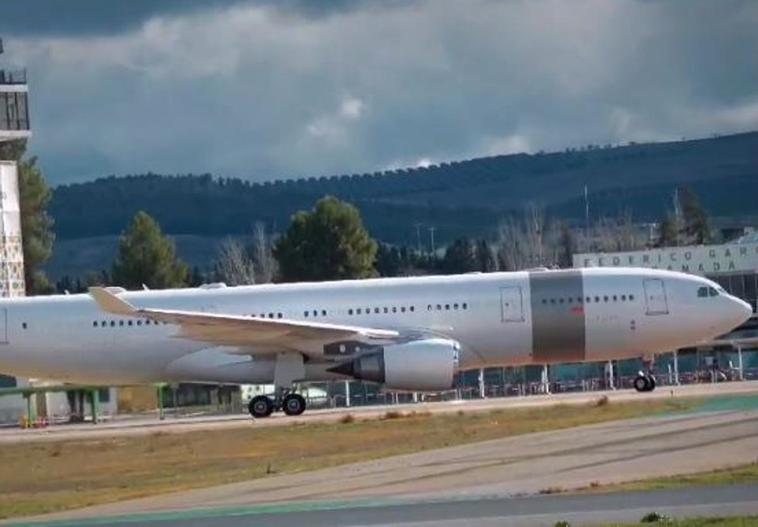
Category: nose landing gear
<point>644,382</point>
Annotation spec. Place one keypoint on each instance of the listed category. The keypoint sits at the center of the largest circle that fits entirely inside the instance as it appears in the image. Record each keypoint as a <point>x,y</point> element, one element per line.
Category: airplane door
<point>4,325</point>
<point>655,297</point>
<point>511,304</point>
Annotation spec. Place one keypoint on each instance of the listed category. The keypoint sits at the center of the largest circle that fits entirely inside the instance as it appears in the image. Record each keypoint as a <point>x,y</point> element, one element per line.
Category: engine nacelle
<point>420,365</point>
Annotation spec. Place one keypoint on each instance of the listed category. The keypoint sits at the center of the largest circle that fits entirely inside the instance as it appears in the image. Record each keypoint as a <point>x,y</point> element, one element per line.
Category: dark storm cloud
<point>283,89</point>
<point>62,17</point>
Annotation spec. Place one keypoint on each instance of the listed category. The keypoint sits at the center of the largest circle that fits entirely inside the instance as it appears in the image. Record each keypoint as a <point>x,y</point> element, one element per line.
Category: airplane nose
<point>743,311</point>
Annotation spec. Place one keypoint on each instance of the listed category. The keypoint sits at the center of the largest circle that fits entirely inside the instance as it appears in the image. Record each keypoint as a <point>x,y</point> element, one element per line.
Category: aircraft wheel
<point>651,382</point>
<point>293,404</point>
<point>641,383</point>
<point>260,406</point>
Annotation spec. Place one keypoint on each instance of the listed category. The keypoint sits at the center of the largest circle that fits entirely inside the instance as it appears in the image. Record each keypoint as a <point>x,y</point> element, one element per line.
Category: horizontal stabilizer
<point>110,303</point>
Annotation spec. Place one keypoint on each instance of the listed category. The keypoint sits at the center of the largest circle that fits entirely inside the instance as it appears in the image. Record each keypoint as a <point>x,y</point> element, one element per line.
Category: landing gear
<point>644,382</point>
<point>263,405</point>
<point>260,406</point>
<point>288,369</point>
<point>293,404</point>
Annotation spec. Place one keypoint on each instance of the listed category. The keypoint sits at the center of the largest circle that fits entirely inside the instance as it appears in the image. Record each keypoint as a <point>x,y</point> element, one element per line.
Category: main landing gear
<point>288,368</point>
<point>264,405</point>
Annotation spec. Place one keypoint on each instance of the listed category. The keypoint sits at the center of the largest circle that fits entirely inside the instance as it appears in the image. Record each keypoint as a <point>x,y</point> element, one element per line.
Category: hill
<point>466,197</point>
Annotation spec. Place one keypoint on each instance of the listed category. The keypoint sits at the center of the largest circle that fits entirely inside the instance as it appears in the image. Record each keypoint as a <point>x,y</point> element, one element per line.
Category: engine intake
<point>421,365</point>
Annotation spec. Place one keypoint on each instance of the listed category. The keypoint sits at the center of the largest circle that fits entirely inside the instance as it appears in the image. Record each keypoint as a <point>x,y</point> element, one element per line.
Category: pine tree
<point>146,257</point>
<point>327,243</point>
<point>36,225</point>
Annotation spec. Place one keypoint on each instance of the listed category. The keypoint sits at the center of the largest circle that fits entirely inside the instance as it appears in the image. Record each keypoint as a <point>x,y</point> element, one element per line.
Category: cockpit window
<point>702,292</point>
<point>712,292</point>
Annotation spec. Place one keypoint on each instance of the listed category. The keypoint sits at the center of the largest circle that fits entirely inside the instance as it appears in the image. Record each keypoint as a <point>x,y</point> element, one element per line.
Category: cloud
<point>287,89</point>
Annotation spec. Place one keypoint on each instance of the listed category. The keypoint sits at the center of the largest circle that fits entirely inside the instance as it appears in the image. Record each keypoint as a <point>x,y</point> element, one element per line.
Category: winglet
<point>110,303</point>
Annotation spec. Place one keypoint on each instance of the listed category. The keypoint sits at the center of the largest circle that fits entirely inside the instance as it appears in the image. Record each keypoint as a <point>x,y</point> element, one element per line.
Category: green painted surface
<point>221,512</point>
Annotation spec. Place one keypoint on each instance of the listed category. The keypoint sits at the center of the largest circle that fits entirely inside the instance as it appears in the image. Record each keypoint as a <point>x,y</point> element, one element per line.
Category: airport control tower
<point>14,126</point>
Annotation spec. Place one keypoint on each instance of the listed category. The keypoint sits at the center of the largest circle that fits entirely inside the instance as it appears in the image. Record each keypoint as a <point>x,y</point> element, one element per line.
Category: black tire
<point>260,406</point>
<point>641,383</point>
<point>293,404</point>
<point>651,382</point>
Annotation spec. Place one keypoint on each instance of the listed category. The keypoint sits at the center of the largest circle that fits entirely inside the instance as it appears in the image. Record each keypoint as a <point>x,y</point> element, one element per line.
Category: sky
<point>294,88</point>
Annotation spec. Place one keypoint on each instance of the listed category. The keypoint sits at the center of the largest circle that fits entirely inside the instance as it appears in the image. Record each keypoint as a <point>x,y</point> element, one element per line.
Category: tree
<point>146,257</point>
<point>328,243</point>
<point>696,223</point>
<point>668,235</point>
<point>36,225</point>
<point>460,257</point>
<point>233,265</point>
<point>263,257</point>
<point>567,245</point>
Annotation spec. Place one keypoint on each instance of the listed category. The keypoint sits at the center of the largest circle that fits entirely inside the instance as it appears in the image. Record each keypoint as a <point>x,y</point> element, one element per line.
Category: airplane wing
<point>244,331</point>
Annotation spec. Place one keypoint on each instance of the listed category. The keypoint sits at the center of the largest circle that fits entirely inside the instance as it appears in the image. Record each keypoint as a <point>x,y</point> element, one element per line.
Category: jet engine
<point>423,365</point>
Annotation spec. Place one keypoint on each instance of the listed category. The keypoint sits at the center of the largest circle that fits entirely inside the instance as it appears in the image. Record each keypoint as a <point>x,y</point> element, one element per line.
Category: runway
<point>486,512</point>
<point>489,476</point>
<point>146,425</point>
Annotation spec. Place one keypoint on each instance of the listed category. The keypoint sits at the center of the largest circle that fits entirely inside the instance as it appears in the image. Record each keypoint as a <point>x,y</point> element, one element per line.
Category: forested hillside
<point>459,198</point>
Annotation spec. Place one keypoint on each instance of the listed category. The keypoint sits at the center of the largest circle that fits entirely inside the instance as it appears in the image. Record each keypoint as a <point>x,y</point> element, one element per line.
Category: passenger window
<point>605,298</point>
<point>439,307</point>
<point>349,311</point>
<point>394,309</point>
<point>631,297</point>
<point>552,300</point>
<point>386,310</point>
<point>130,322</point>
<point>305,314</point>
<point>597,299</point>
<point>358,311</point>
<point>411,308</point>
<point>94,324</point>
<point>455,306</point>
<point>323,313</point>
<point>429,307</point>
<point>588,300</point>
<point>465,305</point>
<point>139,323</point>
<point>447,307</point>
<point>623,298</point>
<point>278,315</point>
<point>615,298</point>
<point>402,309</point>
<point>560,300</point>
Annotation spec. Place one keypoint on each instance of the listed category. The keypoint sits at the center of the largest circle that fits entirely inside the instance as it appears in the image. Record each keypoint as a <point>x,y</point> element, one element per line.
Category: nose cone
<point>740,311</point>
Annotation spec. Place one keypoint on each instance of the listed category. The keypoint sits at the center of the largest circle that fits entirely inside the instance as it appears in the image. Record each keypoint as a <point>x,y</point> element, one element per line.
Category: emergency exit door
<point>511,304</point>
<point>656,302</point>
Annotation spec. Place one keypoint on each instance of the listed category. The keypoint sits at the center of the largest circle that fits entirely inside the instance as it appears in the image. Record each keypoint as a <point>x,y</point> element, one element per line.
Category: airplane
<point>409,333</point>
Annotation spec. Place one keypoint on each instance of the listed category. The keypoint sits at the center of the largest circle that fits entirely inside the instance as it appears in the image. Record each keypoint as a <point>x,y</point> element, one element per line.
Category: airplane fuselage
<point>499,319</point>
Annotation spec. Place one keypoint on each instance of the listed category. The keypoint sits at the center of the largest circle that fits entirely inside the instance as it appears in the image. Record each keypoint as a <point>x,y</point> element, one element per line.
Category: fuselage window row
<point>589,299</point>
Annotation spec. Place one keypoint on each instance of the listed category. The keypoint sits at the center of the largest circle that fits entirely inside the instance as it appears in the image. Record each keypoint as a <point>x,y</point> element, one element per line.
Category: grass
<point>52,476</point>
<point>747,473</point>
<point>736,521</point>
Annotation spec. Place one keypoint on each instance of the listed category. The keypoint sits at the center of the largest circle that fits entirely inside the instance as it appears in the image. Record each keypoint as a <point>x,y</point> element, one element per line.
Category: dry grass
<point>50,476</point>
<point>747,473</point>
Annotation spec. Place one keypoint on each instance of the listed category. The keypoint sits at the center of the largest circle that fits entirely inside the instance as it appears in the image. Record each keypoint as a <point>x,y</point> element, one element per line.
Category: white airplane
<point>406,333</point>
